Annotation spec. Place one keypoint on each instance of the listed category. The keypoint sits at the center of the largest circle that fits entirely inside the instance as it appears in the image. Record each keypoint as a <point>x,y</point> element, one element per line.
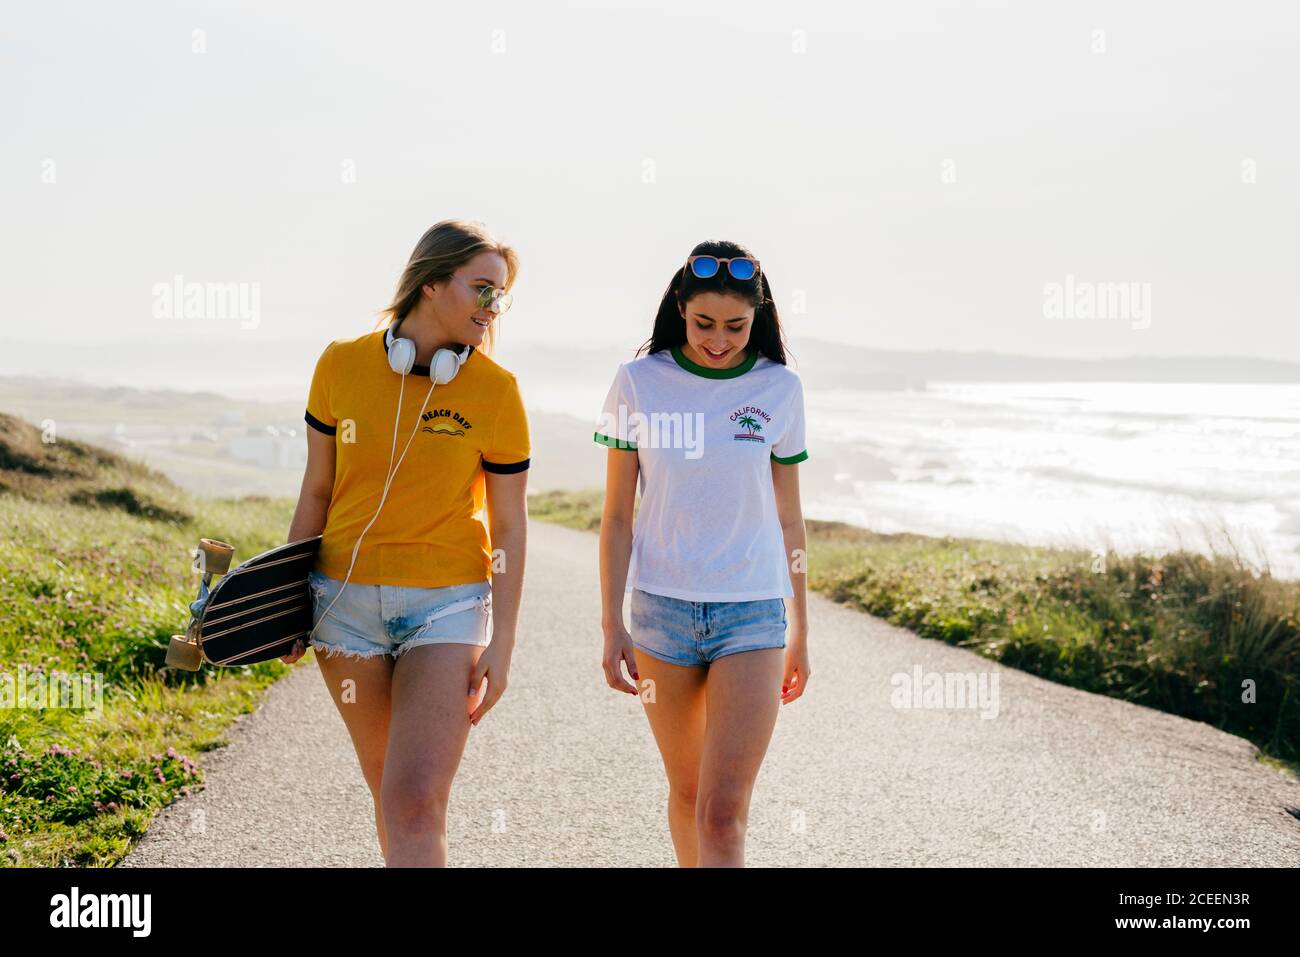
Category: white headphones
<point>401,359</point>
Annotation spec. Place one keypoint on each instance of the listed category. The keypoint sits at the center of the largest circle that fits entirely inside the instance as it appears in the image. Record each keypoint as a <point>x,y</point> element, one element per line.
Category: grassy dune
<point>96,578</point>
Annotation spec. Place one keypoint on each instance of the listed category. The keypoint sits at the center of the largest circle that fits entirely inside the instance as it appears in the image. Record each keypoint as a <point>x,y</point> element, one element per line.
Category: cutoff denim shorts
<point>698,632</point>
<point>392,619</point>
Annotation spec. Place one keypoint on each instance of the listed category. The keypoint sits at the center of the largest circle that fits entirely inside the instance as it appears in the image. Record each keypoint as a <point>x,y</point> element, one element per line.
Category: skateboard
<point>254,613</point>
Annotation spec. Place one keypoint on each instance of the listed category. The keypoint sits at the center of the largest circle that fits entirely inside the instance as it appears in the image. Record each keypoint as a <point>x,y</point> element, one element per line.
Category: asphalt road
<point>564,771</point>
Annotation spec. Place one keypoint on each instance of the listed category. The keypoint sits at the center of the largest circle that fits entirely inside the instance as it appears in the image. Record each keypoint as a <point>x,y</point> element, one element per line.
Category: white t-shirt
<point>707,528</point>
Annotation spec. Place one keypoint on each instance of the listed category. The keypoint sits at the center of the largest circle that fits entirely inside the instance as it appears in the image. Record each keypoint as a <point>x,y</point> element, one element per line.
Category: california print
<point>747,418</point>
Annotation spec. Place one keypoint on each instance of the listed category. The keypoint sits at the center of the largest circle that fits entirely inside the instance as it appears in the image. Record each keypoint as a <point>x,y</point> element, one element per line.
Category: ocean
<point>1123,465</point>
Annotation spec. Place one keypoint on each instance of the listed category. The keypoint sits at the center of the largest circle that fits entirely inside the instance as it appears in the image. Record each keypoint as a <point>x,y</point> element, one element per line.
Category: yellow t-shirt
<point>432,531</point>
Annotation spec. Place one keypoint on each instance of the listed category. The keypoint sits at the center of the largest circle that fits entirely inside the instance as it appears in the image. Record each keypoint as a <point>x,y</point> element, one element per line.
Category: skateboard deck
<point>254,613</point>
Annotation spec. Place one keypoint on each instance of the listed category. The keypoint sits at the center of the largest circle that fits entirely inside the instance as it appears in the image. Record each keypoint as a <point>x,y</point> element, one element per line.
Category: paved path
<point>564,771</point>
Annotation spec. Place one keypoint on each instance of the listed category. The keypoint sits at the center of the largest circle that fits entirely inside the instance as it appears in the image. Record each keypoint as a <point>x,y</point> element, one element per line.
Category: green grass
<point>96,579</point>
<point>580,510</point>
<point>1184,633</point>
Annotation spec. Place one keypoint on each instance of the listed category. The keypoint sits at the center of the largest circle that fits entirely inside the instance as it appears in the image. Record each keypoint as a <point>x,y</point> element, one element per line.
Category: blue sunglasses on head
<point>706,267</point>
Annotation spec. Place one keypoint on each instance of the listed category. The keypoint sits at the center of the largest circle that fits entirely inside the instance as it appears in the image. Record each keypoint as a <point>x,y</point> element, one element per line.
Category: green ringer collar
<point>708,373</point>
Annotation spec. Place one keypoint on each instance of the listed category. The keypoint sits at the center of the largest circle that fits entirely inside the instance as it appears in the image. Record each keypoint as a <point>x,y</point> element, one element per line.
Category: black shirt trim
<point>320,426</point>
<point>505,468</point>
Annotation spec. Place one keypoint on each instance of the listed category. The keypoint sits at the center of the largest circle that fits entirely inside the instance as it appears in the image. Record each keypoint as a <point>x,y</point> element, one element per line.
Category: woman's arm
<point>507,511</point>
<point>313,503</point>
<point>785,483</point>
<point>622,467</point>
<point>507,508</point>
<point>317,487</point>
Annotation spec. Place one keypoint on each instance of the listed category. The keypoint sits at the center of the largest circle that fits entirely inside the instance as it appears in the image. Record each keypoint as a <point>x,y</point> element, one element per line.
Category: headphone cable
<point>387,484</point>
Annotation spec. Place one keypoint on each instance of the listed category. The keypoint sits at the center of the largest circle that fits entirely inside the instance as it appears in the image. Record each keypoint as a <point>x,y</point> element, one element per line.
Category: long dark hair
<point>670,328</point>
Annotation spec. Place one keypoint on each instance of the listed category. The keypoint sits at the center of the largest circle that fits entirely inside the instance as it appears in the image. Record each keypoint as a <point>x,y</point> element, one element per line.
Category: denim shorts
<point>697,632</point>
<point>392,619</point>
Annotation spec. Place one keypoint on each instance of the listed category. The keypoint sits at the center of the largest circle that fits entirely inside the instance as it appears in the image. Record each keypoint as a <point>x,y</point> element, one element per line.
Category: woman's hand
<point>619,650</point>
<point>299,649</point>
<point>494,665</point>
<point>797,668</point>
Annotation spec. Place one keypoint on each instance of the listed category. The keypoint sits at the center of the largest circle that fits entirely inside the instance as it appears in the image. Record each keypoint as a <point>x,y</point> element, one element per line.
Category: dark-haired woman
<point>410,571</point>
<point>711,422</point>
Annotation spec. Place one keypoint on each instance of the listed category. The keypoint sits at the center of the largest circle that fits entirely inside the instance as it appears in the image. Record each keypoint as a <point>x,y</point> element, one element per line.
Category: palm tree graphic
<point>751,423</point>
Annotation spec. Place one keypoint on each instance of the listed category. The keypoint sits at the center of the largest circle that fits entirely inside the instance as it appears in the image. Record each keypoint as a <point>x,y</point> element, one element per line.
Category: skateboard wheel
<point>215,557</point>
<point>184,654</point>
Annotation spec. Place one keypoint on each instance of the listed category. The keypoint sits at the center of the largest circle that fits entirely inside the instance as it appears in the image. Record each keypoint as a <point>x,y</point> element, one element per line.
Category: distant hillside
<point>836,365</point>
<point>192,437</point>
<point>279,370</point>
<point>68,471</point>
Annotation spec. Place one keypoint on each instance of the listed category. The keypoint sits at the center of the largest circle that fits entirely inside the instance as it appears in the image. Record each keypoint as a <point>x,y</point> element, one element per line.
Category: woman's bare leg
<point>430,723</point>
<point>743,694</point>
<point>361,688</point>
<point>676,712</point>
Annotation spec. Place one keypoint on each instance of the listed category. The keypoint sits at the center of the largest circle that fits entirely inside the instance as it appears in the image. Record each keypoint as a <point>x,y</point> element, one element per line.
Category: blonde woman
<point>413,432</point>
<point>711,422</point>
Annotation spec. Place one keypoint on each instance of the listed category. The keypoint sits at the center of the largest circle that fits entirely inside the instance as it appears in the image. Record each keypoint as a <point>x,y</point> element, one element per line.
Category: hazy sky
<point>915,172</point>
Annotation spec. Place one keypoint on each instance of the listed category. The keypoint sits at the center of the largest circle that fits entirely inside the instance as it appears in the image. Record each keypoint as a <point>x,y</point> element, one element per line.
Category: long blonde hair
<point>444,248</point>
